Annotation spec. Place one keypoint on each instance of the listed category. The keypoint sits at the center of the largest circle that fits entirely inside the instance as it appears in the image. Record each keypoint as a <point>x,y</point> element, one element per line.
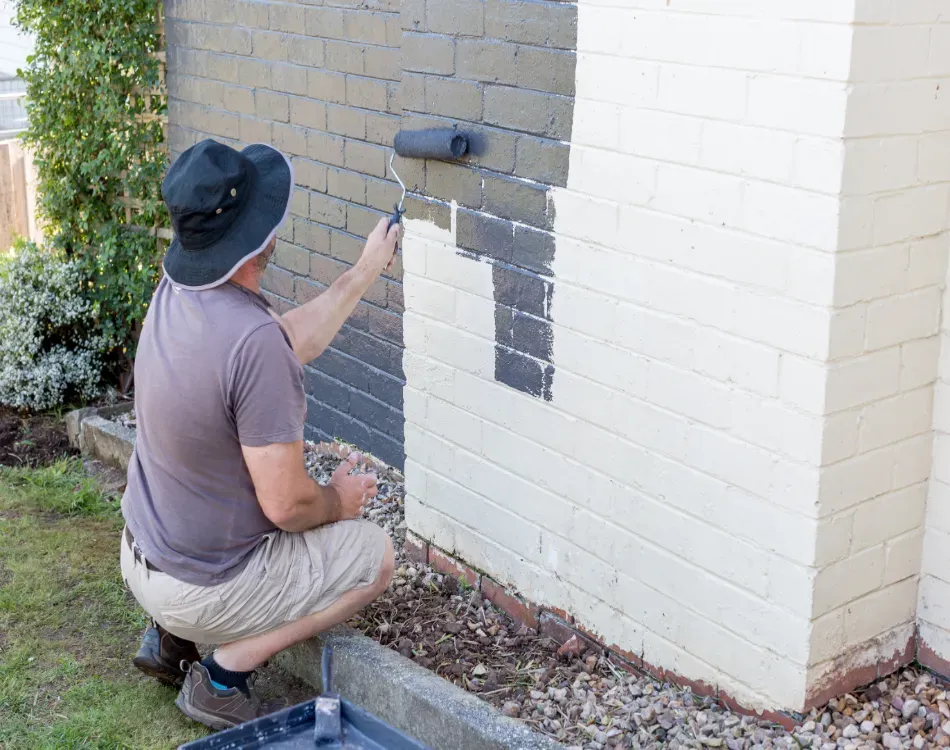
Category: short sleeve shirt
<point>214,371</point>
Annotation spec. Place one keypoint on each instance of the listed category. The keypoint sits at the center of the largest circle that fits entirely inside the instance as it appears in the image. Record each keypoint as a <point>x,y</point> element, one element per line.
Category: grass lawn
<point>68,629</point>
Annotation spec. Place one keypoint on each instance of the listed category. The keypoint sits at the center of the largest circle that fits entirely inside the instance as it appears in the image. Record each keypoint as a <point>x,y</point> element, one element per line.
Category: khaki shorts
<point>288,576</point>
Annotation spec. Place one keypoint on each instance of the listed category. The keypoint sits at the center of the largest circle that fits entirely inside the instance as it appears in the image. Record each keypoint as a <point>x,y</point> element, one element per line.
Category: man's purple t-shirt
<point>213,371</point>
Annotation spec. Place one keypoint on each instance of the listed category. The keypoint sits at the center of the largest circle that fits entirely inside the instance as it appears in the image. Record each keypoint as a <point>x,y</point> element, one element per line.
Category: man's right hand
<point>380,249</point>
<point>353,490</point>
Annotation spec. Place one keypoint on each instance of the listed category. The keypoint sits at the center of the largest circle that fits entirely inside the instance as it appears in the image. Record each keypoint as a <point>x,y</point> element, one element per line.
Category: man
<point>228,540</point>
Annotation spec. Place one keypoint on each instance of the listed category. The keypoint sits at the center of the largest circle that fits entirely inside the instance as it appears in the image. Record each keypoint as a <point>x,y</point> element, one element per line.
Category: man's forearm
<point>313,326</point>
<point>317,506</point>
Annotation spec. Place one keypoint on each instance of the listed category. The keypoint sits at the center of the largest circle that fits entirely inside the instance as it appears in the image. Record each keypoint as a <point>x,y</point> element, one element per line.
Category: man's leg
<point>217,691</point>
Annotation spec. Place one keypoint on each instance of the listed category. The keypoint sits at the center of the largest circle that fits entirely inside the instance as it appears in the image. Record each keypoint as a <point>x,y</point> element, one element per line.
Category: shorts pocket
<point>197,607</point>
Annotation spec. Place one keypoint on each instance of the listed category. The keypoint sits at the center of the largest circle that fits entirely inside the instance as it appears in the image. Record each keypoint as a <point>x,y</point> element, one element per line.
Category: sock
<point>224,679</point>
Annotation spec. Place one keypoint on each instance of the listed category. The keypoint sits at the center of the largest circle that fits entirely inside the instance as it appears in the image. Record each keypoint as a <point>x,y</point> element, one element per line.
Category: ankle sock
<point>224,679</point>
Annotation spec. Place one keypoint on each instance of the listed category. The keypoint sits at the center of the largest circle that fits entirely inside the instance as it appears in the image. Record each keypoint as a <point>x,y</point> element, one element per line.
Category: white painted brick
<point>938,60</point>
<point>612,176</point>
<point>848,332</point>
<point>879,612</point>
<point>840,437</point>
<point>941,457</point>
<point>662,337</point>
<point>603,29</point>
<point>928,262</point>
<point>428,375</point>
<point>880,109</point>
<point>863,379</point>
<point>472,354</point>
<point>938,504</point>
<point>818,164</point>
<point>596,124</point>
<point>689,394</point>
<point>780,322</point>
<point>878,165</point>
<point>935,600</point>
<point>899,13</point>
<point>934,637</point>
<point>869,274</point>
<point>731,460</point>
<point>791,584</point>
<point>434,300</point>
<point>911,214</point>
<point>698,194</point>
<point>446,266</point>
<point>933,157</point>
<point>888,516</point>
<point>856,222</point>
<point>791,214</point>
<point>902,557</point>
<point>454,425</point>
<point>649,426</point>
<point>810,275</point>
<point>615,367</point>
<point>936,560</point>
<point>845,581</point>
<point>585,311</point>
<point>661,135</point>
<point>827,637</point>
<point>807,106</point>
<point>941,409</point>
<point>855,480</point>
<point>586,218</point>
<point>919,360</point>
<point>912,460</point>
<point>617,80</point>
<point>731,359</point>
<point>475,314</point>
<point>825,50</point>
<point>833,539</point>
<point>754,152</point>
<point>705,92</point>
<point>893,419</point>
<point>908,48</point>
<point>803,382</point>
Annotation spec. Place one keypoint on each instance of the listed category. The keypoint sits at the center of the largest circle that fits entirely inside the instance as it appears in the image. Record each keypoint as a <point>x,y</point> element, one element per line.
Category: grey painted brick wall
<point>329,82</point>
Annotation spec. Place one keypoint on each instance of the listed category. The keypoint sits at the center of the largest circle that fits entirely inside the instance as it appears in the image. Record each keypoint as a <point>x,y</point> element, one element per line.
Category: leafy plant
<point>50,348</point>
<point>98,142</point>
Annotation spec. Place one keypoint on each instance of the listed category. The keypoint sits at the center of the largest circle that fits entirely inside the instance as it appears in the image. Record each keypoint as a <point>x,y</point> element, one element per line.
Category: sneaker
<point>160,656</point>
<point>201,701</point>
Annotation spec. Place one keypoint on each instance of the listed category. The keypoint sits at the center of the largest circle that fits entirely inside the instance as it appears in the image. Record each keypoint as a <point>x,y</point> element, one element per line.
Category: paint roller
<point>445,144</point>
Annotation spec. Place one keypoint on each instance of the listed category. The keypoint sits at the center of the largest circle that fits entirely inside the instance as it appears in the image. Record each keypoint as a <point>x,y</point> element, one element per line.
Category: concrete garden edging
<point>411,698</point>
<point>92,432</point>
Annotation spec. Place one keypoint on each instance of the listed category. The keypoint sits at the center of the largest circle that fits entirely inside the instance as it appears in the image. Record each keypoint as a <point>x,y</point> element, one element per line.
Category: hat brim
<point>265,210</point>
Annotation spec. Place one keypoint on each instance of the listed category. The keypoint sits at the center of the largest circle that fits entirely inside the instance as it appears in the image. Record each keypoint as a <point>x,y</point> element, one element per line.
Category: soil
<point>31,440</point>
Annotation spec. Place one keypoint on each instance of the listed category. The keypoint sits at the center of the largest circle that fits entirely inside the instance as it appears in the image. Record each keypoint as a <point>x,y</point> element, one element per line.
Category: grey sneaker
<point>219,709</point>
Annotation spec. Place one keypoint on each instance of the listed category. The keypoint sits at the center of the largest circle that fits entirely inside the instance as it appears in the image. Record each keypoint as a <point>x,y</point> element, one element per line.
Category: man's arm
<point>311,327</point>
<point>292,500</point>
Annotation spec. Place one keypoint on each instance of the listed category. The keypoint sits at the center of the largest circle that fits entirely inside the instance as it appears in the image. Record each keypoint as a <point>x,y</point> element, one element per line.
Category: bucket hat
<point>225,207</point>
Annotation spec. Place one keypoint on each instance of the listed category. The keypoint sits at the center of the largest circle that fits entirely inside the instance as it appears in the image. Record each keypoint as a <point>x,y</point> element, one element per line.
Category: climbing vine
<point>96,110</point>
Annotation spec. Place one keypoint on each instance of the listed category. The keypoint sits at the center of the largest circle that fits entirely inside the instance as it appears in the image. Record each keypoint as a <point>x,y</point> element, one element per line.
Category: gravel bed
<point>579,697</point>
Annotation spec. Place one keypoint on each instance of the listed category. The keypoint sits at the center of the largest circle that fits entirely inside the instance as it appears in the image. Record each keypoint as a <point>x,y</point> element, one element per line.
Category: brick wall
<point>319,82</point>
<point>726,474</point>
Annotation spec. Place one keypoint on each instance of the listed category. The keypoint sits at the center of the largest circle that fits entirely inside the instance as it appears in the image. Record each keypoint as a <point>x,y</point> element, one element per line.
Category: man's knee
<point>387,569</point>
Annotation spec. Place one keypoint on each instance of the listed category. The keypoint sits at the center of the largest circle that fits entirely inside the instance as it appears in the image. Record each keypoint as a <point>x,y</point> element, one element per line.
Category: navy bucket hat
<point>225,207</point>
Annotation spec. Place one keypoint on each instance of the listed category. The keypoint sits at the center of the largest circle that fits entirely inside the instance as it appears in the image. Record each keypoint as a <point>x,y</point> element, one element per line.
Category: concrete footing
<point>92,432</point>
<point>411,698</point>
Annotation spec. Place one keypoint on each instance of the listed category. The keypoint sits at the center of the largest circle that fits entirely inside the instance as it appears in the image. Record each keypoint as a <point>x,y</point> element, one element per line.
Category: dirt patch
<point>31,440</point>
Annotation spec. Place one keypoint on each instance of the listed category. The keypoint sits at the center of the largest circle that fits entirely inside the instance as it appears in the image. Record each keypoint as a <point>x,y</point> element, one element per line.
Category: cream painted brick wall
<point>730,478</point>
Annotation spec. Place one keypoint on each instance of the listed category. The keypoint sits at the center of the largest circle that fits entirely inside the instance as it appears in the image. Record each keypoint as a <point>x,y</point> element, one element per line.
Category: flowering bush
<point>50,348</point>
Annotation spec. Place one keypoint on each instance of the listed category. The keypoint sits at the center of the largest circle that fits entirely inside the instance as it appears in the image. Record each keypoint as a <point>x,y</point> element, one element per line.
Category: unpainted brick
<point>361,221</point>
<point>306,290</point>
<point>427,53</point>
<point>285,17</point>
<point>310,113</point>
<point>450,181</point>
<point>285,231</point>
<point>412,92</point>
<point>346,247</point>
<point>303,50</point>
<point>290,79</point>
<point>365,158</point>
<point>278,281</point>
<point>347,185</point>
<point>376,293</point>
<point>211,121</point>
<point>381,194</point>
<point>551,71</point>
<point>310,174</point>
<point>485,235</point>
<point>522,290</point>
<point>420,207</point>
<point>412,172</point>
<point>290,139</point>
<point>452,98</point>
<point>325,148</point>
<point>393,31</point>
<point>292,258</point>
<point>346,121</point>
<point>367,93</point>
<point>542,160</point>
<point>271,106</point>
<point>516,200</point>
<point>343,57</point>
<point>300,202</point>
<point>366,27</point>
<point>532,336</point>
<point>328,390</point>
<point>250,14</point>
<point>533,249</point>
<point>327,86</point>
<point>325,22</point>
<point>381,129</point>
<point>382,63</point>
<point>253,130</point>
<point>311,236</point>
<point>386,325</point>
<point>328,210</point>
<point>248,72</point>
<point>529,112</point>
<point>523,373</point>
<point>378,415</point>
<point>546,24</point>
<point>269,45</point>
<point>326,270</point>
<point>456,17</point>
<point>395,299</point>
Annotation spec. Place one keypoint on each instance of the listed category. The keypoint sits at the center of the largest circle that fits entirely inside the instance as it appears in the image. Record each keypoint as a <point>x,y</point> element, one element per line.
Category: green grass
<point>68,629</point>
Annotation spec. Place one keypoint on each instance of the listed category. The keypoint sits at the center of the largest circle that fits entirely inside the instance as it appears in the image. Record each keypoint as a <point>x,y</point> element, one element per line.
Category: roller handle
<point>396,218</point>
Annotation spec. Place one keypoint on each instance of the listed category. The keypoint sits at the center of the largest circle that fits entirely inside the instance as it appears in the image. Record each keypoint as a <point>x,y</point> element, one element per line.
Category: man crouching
<point>227,539</point>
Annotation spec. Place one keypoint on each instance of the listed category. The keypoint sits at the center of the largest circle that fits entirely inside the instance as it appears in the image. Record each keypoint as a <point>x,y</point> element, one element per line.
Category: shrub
<point>50,348</point>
